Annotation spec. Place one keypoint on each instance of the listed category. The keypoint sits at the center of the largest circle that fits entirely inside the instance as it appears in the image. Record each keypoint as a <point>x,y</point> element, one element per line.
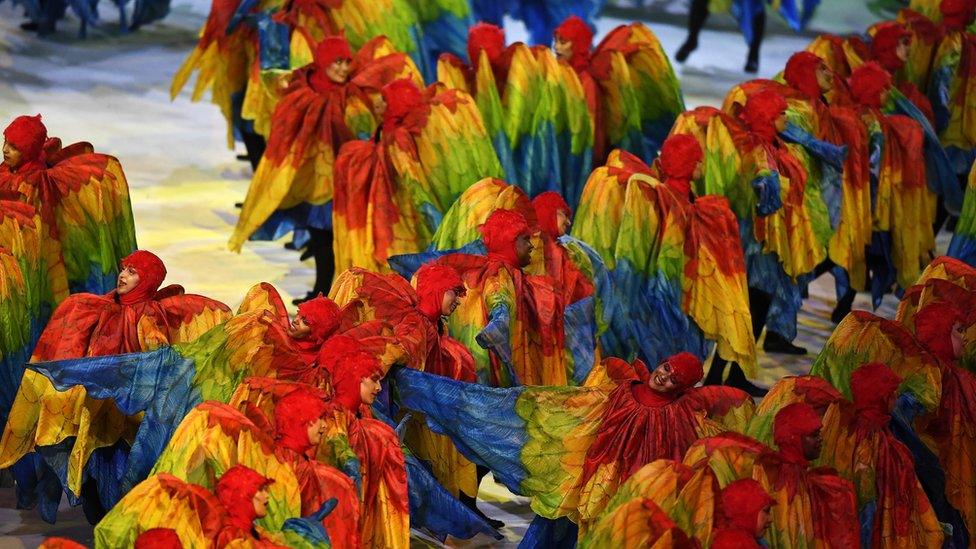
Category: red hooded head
<point>151,273</point>
<point>235,490</point>
<point>331,50</point>
<point>734,539</point>
<point>761,112</point>
<point>322,316</point>
<point>680,155</point>
<point>957,14</point>
<point>801,73</point>
<point>348,374</point>
<point>740,504</point>
<point>884,45</point>
<point>547,205</point>
<point>500,231</point>
<point>868,84</point>
<point>933,329</point>
<point>873,387</point>
<point>433,281</point>
<point>402,97</point>
<point>334,349</point>
<point>575,31</point>
<point>292,415</point>
<point>27,134</point>
<point>791,424</point>
<point>487,37</point>
<point>686,370</point>
<point>158,538</point>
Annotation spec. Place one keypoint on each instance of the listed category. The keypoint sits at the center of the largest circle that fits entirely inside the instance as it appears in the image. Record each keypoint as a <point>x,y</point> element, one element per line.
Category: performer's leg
<point>471,502</point>
<point>758,28</point>
<point>697,16</point>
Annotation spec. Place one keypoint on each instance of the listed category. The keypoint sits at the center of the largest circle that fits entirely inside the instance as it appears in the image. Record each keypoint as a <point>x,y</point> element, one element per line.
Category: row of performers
<point>362,417</point>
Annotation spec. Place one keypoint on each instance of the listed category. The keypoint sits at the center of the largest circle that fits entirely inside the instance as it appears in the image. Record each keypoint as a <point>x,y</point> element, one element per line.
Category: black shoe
<point>291,246</point>
<point>309,252</point>
<point>776,343</point>
<point>238,205</point>
<point>752,66</point>
<point>472,504</point>
<point>300,300</point>
<point>244,157</point>
<point>685,50</point>
<point>843,307</point>
<point>737,379</point>
<point>31,26</point>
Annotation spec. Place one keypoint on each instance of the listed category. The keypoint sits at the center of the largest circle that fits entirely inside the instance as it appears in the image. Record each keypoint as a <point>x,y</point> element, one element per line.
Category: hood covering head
<point>27,134</point>
<point>546,206</point>
<point>331,50</point>
<point>322,316</point>
<point>236,489</point>
<point>957,14</point>
<point>578,33</point>
<point>790,425</point>
<point>433,281</point>
<point>801,73</point>
<point>761,111</point>
<point>686,370</point>
<point>158,538</point>
<point>487,37</point>
<point>292,415</point>
<point>402,97</point>
<point>734,539</point>
<point>933,329</point>
<point>868,84</point>
<point>740,504</point>
<point>151,274</point>
<point>680,155</point>
<point>884,45</point>
<point>500,231</point>
<point>873,387</point>
<point>349,371</point>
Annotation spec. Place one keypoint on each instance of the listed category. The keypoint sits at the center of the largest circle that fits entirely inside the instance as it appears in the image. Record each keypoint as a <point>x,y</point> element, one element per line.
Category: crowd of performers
<point>523,269</point>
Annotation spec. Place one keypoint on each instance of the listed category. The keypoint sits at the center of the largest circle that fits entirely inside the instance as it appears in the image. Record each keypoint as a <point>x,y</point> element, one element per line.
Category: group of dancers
<point>538,266</point>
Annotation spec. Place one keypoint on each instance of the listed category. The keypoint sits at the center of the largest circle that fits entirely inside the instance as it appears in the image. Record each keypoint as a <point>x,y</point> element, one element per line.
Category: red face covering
<point>402,97</point>
<point>957,14</point>
<point>791,424</point>
<point>680,154</point>
<point>740,503</point>
<point>27,134</point>
<point>933,329</point>
<point>348,374</point>
<point>433,281</point>
<point>487,37</point>
<point>331,50</point>
<point>801,73</point>
<point>576,31</point>
<point>873,386</point>
<point>292,415</point>
<point>500,231</point>
<point>546,206</point>
<point>235,490</point>
<point>761,111</point>
<point>322,316</point>
<point>868,84</point>
<point>151,274</point>
<point>158,538</point>
<point>885,43</point>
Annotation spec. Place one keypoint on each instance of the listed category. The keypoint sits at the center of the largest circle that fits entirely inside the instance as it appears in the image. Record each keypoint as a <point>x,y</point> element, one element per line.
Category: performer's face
<point>812,445</point>
<point>781,122</point>
<point>825,78</point>
<point>11,155</point>
<point>128,280</point>
<point>699,170</point>
<point>957,339</point>
<point>315,431</point>
<point>563,49</point>
<point>369,387</point>
<point>763,520</point>
<point>379,105</point>
<point>901,50</point>
<point>450,302</point>
<point>523,248</point>
<point>662,380</point>
<point>338,71</point>
<point>562,222</point>
<point>299,329</point>
<point>260,503</point>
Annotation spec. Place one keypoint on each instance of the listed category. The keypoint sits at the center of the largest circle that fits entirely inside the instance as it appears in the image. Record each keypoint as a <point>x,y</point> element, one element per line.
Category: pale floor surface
<point>113,91</point>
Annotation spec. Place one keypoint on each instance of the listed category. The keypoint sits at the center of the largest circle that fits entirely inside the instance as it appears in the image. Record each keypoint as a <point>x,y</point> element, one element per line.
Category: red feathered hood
<point>27,134</point>
<point>500,231</point>
<point>235,490</point>
<point>433,281</point>
<point>151,272</point>
<point>680,154</point>
<point>487,37</point>
<point>957,14</point>
<point>933,329</point>
<point>348,371</point>
<point>873,388</point>
<point>158,538</point>
<point>884,45</point>
<point>740,504</point>
<point>868,84</point>
<point>402,97</point>
<point>577,32</point>
<point>546,206</point>
<point>761,111</point>
<point>330,50</point>
<point>322,316</point>
<point>801,73</point>
<point>791,424</point>
<point>292,415</point>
